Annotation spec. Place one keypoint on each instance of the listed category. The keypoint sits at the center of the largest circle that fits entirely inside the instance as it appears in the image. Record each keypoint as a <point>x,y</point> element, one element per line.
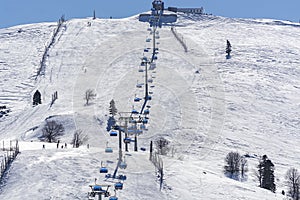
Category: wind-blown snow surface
<point>249,103</point>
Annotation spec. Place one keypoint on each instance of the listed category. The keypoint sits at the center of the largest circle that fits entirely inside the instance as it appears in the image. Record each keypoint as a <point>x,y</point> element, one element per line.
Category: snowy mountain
<point>204,104</point>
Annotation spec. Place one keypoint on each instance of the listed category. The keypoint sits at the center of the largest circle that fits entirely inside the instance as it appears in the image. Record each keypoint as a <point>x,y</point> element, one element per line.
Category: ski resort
<point>172,103</point>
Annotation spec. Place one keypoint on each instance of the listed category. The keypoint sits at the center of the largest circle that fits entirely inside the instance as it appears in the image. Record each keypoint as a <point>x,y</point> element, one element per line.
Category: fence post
<point>151,150</point>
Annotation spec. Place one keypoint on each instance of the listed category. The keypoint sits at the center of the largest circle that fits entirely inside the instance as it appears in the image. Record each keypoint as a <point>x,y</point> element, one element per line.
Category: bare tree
<point>79,138</point>
<point>162,146</point>
<point>51,131</point>
<point>293,182</point>
<point>89,95</point>
<point>232,165</point>
<point>244,168</point>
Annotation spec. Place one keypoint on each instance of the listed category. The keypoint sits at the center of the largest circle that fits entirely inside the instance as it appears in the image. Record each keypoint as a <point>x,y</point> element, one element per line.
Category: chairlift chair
<point>97,188</point>
<point>113,133</point>
<point>122,177</point>
<point>145,121</point>
<point>134,111</point>
<point>119,186</point>
<point>123,165</point>
<point>139,85</point>
<point>149,97</point>
<point>113,198</point>
<point>145,59</point>
<point>137,99</point>
<point>103,170</point>
<point>108,149</point>
<point>146,112</point>
<point>143,126</point>
<point>127,140</point>
<point>152,66</point>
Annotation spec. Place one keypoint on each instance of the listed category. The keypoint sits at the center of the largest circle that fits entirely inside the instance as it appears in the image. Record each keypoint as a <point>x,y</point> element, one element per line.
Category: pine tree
<point>228,49</point>
<point>266,174</point>
<point>112,108</point>
<point>37,98</point>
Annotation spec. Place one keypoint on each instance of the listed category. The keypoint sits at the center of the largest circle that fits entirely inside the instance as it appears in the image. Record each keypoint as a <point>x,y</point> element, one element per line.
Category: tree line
<point>236,167</point>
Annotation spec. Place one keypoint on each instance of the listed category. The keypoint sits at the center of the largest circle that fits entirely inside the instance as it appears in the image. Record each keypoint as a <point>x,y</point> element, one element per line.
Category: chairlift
<point>139,85</point>
<point>149,97</point>
<point>97,188</point>
<point>145,121</point>
<point>119,186</point>
<point>123,165</point>
<point>108,149</point>
<point>113,133</point>
<point>152,66</point>
<point>145,59</point>
<point>127,140</point>
<point>103,170</point>
<point>133,121</point>
<point>143,127</point>
<point>134,111</point>
<point>137,99</point>
<point>113,198</point>
<point>122,177</point>
<point>146,112</point>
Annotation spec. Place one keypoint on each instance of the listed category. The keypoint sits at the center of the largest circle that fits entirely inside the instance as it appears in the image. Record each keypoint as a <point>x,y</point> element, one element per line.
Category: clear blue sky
<point>15,12</point>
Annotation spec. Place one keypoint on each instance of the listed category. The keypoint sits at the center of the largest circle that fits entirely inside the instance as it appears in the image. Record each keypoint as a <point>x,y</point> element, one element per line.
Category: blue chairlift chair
<point>134,111</point>
<point>119,186</point>
<point>103,170</point>
<point>113,133</point>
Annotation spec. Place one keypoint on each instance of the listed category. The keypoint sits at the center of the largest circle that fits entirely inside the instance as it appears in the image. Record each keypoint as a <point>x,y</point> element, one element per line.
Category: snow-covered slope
<point>249,103</point>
